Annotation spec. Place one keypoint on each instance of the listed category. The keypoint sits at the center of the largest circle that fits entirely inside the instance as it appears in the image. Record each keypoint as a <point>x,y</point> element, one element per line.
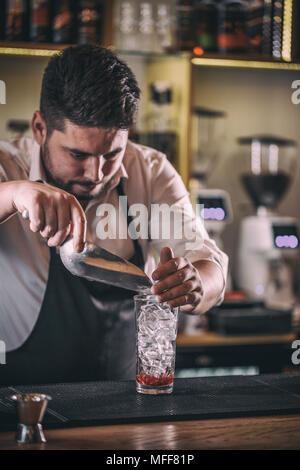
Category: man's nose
<point>93,169</point>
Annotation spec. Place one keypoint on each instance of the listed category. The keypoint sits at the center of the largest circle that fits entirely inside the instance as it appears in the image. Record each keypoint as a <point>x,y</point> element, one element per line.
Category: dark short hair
<point>89,86</point>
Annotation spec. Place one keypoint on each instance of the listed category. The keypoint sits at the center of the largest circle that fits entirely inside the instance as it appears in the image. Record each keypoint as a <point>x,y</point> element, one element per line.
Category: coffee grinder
<point>268,245</point>
<point>213,205</point>
<point>207,140</point>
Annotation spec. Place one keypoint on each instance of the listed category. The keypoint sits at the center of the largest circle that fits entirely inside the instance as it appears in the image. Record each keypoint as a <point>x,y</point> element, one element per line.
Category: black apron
<point>85,331</point>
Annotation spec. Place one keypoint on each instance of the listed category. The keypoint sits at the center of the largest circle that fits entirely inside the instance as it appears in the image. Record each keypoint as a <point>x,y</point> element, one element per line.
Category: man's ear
<point>39,128</point>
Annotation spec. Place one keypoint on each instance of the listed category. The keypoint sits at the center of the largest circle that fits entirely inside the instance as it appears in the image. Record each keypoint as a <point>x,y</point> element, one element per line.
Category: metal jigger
<point>31,408</point>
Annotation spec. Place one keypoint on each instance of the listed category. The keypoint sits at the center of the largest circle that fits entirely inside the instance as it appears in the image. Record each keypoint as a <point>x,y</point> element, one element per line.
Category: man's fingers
<point>50,227</point>
<point>54,213</point>
<point>79,226</point>
<point>184,289</point>
<point>36,217</point>
<point>176,279</point>
<point>168,268</point>
<point>187,302</point>
<point>165,255</point>
<point>59,238</point>
<point>63,224</point>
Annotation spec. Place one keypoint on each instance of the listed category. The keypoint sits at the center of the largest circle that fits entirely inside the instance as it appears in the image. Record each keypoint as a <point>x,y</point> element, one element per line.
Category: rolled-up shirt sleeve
<point>180,228</point>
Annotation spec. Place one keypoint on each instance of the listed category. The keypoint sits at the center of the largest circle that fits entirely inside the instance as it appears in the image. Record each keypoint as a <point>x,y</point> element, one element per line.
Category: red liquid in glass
<point>145,379</point>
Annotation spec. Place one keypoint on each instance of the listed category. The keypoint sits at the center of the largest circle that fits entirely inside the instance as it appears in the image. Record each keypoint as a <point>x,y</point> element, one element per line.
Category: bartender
<point>58,327</point>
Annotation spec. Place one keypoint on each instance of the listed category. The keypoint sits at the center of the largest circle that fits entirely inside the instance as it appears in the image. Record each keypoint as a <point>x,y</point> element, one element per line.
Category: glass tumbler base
<point>153,390</point>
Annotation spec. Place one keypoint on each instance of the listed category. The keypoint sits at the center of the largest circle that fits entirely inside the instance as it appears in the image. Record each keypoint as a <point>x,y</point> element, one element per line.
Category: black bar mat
<point>93,403</point>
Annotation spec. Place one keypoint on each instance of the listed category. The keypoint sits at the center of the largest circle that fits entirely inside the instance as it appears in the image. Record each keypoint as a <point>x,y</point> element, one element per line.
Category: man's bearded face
<point>82,160</point>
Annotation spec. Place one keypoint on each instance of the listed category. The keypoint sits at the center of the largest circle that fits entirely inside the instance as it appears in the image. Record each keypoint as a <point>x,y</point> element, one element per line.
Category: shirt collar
<point>120,174</point>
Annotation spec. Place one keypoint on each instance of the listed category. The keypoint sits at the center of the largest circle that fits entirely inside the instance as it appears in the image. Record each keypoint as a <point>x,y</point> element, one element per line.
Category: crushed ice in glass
<point>156,337</point>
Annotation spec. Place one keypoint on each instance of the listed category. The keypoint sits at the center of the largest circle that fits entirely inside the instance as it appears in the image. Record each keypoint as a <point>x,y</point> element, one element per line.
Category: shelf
<point>47,50</point>
<point>243,61</point>
<point>30,49</point>
<point>207,60</point>
<point>156,55</point>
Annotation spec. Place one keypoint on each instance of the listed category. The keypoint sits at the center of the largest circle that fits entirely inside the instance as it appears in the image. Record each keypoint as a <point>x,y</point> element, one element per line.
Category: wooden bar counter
<point>272,432</point>
<point>237,412</point>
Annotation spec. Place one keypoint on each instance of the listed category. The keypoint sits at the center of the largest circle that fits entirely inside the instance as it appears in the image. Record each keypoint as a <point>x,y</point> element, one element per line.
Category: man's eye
<point>110,157</point>
<point>77,156</point>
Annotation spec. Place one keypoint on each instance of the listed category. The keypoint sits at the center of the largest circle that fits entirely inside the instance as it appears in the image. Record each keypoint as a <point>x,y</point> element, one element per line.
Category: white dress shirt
<point>24,256</point>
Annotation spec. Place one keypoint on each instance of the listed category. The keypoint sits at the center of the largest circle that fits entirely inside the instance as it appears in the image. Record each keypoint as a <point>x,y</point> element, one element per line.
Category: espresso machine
<point>269,242</point>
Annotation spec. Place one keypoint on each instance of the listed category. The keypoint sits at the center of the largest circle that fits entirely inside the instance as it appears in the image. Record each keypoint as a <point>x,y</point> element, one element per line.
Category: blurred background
<point>219,97</point>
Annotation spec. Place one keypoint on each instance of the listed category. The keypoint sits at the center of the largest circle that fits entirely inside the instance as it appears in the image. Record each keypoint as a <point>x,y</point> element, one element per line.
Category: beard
<point>65,186</point>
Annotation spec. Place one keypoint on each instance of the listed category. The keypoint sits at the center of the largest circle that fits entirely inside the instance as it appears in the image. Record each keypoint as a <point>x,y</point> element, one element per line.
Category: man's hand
<point>179,282</point>
<point>53,212</point>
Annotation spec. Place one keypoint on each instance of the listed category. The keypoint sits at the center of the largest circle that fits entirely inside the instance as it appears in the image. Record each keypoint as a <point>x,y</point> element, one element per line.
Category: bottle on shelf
<point>185,25</point>
<point>125,26</point>
<point>63,19</point>
<point>2,20</point>
<point>255,15</point>
<point>166,25</point>
<point>16,27</point>
<point>277,25</point>
<point>160,126</point>
<point>89,21</point>
<point>40,21</point>
<point>232,35</point>
<point>146,38</point>
<point>295,37</point>
<point>145,26</point>
<point>267,28</point>
<point>206,25</point>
